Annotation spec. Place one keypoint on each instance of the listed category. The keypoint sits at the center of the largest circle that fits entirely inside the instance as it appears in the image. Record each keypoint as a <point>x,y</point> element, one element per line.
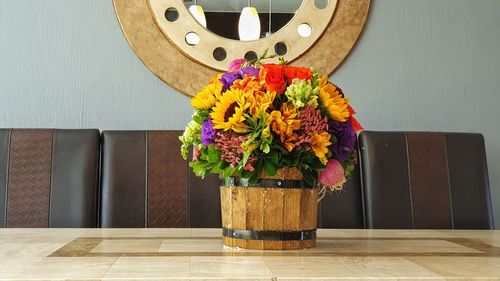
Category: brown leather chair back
<point>48,177</point>
<point>425,180</point>
<point>146,183</point>
<point>343,209</point>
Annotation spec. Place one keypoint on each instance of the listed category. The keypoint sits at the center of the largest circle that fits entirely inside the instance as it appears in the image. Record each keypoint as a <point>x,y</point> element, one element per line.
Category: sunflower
<point>228,113</point>
<point>208,96</point>
<point>332,99</point>
<point>319,144</point>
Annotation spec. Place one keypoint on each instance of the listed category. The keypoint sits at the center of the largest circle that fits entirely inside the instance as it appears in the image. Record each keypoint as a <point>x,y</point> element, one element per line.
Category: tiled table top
<point>176,254</point>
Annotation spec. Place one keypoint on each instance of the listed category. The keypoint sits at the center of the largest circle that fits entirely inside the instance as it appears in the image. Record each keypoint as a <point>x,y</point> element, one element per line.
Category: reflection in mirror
<point>320,4</point>
<point>222,17</point>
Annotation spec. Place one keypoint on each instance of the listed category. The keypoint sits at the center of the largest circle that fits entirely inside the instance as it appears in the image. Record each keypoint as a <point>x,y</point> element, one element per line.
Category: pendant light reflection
<point>249,24</point>
<point>198,14</point>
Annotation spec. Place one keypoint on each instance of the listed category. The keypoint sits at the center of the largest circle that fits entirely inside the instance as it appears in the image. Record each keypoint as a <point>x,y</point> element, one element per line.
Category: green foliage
<point>260,136</point>
<point>200,116</point>
<point>191,136</point>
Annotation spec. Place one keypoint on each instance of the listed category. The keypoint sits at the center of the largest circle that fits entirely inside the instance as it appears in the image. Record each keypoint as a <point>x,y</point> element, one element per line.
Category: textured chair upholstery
<point>425,180</point>
<point>146,183</point>
<point>48,177</point>
<point>343,209</point>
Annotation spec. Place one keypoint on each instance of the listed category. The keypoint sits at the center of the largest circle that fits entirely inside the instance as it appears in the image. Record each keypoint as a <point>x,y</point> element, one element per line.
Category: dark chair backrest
<point>343,209</point>
<point>49,177</point>
<point>146,183</point>
<point>425,180</point>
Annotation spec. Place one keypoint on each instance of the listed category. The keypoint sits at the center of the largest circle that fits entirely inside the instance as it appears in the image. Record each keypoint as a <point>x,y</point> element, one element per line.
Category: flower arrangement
<point>259,118</point>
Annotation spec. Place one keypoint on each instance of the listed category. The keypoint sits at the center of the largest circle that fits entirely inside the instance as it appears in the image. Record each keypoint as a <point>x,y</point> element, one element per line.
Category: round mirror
<point>260,18</point>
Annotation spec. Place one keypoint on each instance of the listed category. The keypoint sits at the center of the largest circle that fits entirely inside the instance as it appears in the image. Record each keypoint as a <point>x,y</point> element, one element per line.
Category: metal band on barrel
<point>269,235</point>
<point>233,181</point>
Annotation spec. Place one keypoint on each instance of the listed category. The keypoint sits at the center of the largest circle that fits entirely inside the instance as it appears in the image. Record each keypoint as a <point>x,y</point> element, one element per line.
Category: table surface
<point>159,254</point>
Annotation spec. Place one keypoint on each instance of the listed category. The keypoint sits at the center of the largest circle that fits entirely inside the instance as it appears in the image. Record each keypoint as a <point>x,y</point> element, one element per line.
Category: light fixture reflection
<point>304,30</point>
<point>198,14</point>
<point>249,24</point>
<point>192,39</point>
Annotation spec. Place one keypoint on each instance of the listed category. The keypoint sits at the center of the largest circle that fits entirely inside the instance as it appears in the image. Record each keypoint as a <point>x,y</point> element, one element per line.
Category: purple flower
<point>228,78</point>
<point>249,70</point>
<point>207,132</point>
<point>346,139</point>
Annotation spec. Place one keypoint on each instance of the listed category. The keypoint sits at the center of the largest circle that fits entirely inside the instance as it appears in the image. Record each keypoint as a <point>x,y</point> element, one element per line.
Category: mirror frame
<point>176,31</point>
<point>188,75</point>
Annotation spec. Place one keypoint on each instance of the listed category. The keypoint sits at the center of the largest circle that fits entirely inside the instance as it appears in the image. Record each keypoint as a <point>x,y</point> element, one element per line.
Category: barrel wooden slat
<point>239,217</point>
<point>255,219</point>
<point>273,204</point>
<point>291,219</point>
<point>227,221</point>
<point>308,212</point>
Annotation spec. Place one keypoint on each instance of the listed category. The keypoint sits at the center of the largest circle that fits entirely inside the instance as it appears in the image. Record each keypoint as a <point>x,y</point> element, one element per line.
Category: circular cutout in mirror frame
<point>178,67</point>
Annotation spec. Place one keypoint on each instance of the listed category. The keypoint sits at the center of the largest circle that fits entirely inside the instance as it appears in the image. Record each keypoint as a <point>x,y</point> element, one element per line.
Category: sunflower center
<point>231,109</point>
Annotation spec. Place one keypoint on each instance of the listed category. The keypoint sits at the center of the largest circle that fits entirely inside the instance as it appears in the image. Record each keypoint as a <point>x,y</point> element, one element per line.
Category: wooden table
<point>158,254</point>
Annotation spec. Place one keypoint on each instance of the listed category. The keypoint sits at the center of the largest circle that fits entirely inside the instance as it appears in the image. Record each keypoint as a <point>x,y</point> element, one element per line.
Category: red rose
<point>302,73</point>
<point>274,78</point>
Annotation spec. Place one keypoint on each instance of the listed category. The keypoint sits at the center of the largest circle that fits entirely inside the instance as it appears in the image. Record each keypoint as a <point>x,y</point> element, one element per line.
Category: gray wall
<point>420,65</point>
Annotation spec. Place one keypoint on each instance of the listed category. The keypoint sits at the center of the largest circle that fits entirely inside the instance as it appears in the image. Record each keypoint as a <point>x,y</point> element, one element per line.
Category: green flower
<point>191,136</point>
<point>301,93</point>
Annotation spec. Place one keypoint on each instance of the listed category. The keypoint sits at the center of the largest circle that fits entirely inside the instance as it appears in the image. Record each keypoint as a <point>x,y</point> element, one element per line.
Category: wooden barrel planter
<point>279,213</point>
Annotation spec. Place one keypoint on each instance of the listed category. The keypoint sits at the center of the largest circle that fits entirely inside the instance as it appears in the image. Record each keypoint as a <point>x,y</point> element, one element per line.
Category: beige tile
<point>149,267</point>
<point>192,245</point>
<point>233,279</point>
<point>206,232</point>
<point>46,233</point>
<point>362,279</point>
<point>139,232</point>
<point>22,248</point>
<point>345,267</point>
<point>385,233</point>
<point>340,245</point>
<point>465,267</point>
<point>229,267</point>
<point>11,267</point>
<point>128,246</point>
<point>68,268</point>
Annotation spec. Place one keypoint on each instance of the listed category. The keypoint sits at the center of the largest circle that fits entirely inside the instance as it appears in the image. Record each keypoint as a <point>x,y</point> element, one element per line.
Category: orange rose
<point>302,73</point>
<point>274,77</point>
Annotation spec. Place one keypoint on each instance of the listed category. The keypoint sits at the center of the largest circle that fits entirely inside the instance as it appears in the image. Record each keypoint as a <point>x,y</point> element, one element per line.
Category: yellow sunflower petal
<point>228,113</point>
<point>206,98</point>
<point>336,105</point>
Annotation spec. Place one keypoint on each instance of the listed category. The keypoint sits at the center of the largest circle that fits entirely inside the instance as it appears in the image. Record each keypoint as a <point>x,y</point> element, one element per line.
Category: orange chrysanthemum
<point>261,102</point>
<point>284,123</point>
<point>248,84</point>
<point>319,144</point>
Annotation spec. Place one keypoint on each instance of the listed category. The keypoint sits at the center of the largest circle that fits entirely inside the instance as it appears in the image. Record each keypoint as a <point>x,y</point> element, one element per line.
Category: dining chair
<point>425,180</point>
<point>49,177</point>
<point>146,183</point>
<point>343,209</point>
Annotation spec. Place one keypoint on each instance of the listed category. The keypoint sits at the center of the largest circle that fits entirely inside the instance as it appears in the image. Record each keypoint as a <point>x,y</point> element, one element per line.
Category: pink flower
<point>333,175</point>
<point>235,65</point>
<point>196,154</point>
